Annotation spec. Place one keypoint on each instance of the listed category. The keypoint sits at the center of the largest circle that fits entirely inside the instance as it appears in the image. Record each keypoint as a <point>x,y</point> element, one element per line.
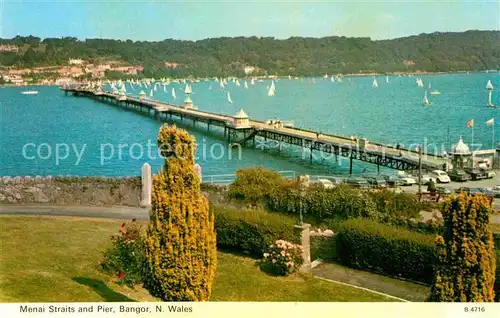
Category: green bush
<point>365,244</point>
<point>252,231</point>
<point>254,184</point>
<point>323,247</point>
<point>126,257</point>
<point>396,205</point>
<point>341,202</point>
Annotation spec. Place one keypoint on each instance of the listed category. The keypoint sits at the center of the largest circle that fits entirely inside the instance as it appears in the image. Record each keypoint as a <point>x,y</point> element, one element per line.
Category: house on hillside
<point>76,62</point>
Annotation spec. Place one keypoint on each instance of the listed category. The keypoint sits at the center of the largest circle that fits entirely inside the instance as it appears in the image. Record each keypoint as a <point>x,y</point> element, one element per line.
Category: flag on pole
<point>490,122</point>
<point>470,123</point>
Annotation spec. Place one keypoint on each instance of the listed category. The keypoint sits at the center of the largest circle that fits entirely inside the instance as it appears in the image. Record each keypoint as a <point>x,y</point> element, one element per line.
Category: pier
<point>240,129</point>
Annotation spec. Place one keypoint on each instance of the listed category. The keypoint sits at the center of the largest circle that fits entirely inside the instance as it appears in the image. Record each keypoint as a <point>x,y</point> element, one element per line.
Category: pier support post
<point>311,153</point>
<point>146,185</point>
<point>194,122</point>
<point>302,149</point>
<point>350,164</point>
<point>208,126</point>
<point>225,131</point>
<point>253,141</point>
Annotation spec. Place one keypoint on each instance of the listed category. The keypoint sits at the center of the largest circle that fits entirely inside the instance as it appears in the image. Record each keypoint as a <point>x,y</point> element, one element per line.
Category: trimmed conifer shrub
<point>466,252</point>
<point>180,245</point>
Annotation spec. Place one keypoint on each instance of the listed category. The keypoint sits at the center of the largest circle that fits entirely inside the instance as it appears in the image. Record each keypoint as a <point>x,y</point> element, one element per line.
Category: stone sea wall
<point>68,190</point>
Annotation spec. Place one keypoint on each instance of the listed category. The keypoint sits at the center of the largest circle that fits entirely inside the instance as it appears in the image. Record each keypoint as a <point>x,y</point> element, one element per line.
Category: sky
<point>194,20</point>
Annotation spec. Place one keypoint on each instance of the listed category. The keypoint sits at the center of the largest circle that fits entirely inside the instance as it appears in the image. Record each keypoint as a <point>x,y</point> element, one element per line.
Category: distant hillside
<point>436,52</point>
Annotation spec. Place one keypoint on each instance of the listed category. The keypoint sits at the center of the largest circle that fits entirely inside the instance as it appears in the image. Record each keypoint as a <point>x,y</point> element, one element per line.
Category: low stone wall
<point>68,190</point>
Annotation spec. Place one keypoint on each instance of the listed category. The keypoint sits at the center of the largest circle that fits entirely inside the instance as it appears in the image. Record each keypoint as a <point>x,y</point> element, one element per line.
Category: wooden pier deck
<point>375,153</point>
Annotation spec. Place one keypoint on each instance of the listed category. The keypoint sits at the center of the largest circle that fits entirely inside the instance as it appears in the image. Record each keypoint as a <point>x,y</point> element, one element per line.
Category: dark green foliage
<point>341,202</point>
<point>470,50</point>
<point>255,184</point>
<point>466,252</point>
<point>365,244</point>
<point>323,247</point>
<point>252,231</point>
<point>395,206</point>
<point>126,257</point>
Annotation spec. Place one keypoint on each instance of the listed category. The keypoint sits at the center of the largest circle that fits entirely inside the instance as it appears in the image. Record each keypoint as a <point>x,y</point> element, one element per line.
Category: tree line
<point>300,56</point>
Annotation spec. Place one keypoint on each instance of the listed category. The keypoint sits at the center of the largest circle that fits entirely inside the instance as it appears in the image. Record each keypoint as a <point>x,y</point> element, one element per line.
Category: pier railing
<point>226,179</point>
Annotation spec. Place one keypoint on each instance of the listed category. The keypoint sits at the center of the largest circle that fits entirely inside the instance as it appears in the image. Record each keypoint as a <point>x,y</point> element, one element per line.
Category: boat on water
<point>246,85</point>
<point>229,98</point>
<point>387,78</point>
<point>272,89</point>
<point>426,100</point>
<point>435,92</point>
<point>29,92</point>
<point>374,84</point>
<point>490,88</point>
<point>173,93</point>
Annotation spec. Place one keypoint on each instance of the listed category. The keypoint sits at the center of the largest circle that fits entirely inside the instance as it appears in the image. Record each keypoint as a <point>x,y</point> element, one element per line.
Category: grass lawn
<point>49,258</point>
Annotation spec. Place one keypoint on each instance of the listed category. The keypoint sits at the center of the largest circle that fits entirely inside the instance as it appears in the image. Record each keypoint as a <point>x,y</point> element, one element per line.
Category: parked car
<point>425,179</point>
<point>406,180</point>
<point>440,176</point>
<point>378,182</point>
<point>459,175</point>
<point>392,181</point>
<point>475,191</point>
<point>477,174</point>
<point>443,190</point>
<point>326,183</point>
<point>335,180</point>
<point>358,182</point>
<point>462,189</point>
<point>496,191</point>
<point>487,192</point>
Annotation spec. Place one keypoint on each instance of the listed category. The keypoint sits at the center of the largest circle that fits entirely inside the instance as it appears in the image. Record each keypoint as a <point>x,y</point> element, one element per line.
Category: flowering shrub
<point>125,258</point>
<point>282,258</point>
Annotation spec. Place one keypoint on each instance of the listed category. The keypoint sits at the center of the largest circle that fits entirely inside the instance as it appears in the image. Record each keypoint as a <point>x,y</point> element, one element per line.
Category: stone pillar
<point>146,185</point>
<point>197,169</point>
<point>305,242</point>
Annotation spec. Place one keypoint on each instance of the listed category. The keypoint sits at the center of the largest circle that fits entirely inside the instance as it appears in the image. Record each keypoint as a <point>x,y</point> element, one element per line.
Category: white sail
<point>426,101</point>
<point>222,84</point>
<point>229,98</point>
<point>332,79</point>
<point>165,88</point>
<point>374,84</point>
<point>326,76</point>
<point>289,77</point>
<point>155,88</point>
<point>173,93</point>
<point>252,82</point>
<point>272,89</point>
<point>246,85</point>
<point>489,86</point>
<point>237,83</point>
<point>387,78</point>
<point>188,90</point>
<point>151,93</point>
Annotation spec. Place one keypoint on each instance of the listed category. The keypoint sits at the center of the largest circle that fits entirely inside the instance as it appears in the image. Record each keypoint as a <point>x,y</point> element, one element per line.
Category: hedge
<point>341,202</point>
<point>365,244</point>
<point>252,231</point>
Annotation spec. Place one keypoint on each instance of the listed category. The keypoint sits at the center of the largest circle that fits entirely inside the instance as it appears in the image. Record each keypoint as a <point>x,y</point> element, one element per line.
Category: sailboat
<point>426,101</point>
<point>188,90</point>
<point>151,93</point>
<point>237,83</point>
<point>252,82</point>
<point>246,85</point>
<point>490,87</point>
<point>332,79</point>
<point>173,93</point>
<point>374,84</point>
<point>229,98</point>
<point>420,83</point>
<point>272,89</point>
<point>387,78</point>
<point>326,76</point>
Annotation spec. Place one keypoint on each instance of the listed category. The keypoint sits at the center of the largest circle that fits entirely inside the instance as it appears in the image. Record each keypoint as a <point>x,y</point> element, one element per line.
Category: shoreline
<point>402,74</point>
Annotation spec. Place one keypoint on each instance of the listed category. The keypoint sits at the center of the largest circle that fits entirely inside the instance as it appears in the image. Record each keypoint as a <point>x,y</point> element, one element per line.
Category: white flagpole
<point>493,135</point>
<point>472,142</point>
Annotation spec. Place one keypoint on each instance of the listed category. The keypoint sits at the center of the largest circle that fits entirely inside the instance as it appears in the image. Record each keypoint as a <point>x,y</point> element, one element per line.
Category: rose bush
<point>282,258</point>
<point>126,255</point>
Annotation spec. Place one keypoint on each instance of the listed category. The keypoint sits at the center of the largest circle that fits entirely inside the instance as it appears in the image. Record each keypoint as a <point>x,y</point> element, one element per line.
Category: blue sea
<point>53,134</point>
